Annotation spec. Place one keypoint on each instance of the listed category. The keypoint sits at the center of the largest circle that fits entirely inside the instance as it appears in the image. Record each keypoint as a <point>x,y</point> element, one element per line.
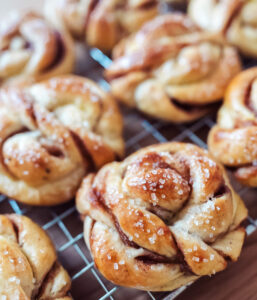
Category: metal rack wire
<point>63,224</point>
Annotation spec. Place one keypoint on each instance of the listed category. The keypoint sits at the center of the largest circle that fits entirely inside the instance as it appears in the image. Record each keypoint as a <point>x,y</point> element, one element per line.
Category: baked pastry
<point>163,217</point>
<point>53,133</point>
<point>32,50</point>
<point>171,70</point>
<point>233,141</point>
<point>102,23</point>
<point>236,19</point>
<point>29,265</point>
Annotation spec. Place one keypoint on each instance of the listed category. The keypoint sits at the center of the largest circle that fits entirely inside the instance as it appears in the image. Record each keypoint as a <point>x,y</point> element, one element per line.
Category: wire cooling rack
<point>62,222</point>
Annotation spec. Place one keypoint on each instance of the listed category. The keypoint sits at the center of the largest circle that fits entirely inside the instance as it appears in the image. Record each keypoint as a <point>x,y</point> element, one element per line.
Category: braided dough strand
<point>29,266</point>
<point>171,70</point>
<point>233,141</point>
<point>161,218</point>
<point>102,23</point>
<point>52,134</point>
<point>31,50</point>
<point>235,19</point>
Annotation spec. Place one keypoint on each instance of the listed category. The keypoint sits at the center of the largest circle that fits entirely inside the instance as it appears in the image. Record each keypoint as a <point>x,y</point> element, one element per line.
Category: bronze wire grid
<point>63,224</point>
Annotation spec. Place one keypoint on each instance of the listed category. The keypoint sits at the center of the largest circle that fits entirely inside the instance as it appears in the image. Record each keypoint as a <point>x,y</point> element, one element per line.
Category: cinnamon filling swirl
<point>189,108</point>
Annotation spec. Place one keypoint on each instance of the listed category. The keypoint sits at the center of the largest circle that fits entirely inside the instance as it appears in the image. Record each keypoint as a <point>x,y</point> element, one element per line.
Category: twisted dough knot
<point>236,19</point>
<point>171,70</point>
<point>103,23</point>
<point>28,262</point>
<point>162,217</point>
<point>31,50</point>
<point>233,141</point>
<point>52,134</point>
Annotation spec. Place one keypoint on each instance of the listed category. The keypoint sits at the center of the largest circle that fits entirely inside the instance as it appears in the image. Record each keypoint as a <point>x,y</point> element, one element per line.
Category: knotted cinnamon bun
<point>31,50</point>
<point>163,217</point>
<point>29,266</point>
<point>236,19</point>
<point>233,141</point>
<point>103,23</point>
<point>171,70</point>
<point>52,134</point>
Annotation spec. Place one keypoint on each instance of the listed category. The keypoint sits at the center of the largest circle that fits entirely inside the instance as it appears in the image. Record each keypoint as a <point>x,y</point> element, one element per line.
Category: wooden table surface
<point>239,281</point>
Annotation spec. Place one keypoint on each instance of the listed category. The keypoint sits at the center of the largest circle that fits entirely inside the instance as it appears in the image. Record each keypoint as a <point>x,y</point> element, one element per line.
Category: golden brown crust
<point>171,70</point>
<point>103,22</point>
<point>233,141</point>
<point>236,19</point>
<point>161,218</point>
<point>31,50</point>
<point>53,133</point>
<point>29,266</point>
